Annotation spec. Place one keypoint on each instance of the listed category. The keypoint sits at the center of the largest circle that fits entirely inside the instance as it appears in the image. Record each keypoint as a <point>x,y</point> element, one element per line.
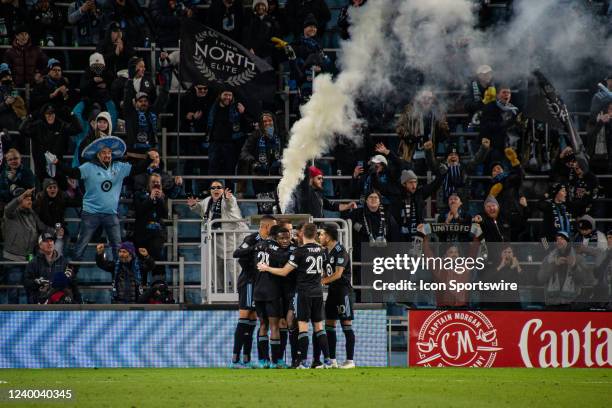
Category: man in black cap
<point>142,122</point>
<point>299,12</point>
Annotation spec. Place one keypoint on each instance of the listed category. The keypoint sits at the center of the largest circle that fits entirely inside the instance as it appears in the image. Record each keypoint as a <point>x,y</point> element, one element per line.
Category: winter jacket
<point>298,10</point>
<point>51,210</point>
<point>25,62</point>
<point>167,22</point>
<point>415,202</point>
<point>41,96</point>
<point>21,228</point>
<point>40,267</point>
<point>90,89</point>
<point>191,103</point>
<point>24,178</point>
<point>127,277</point>
<point>257,34</point>
<point>142,127</point>
<point>87,134</point>
<point>88,27</point>
<point>149,215</point>
<point>563,283</point>
<point>53,138</point>
<point>114,62</point>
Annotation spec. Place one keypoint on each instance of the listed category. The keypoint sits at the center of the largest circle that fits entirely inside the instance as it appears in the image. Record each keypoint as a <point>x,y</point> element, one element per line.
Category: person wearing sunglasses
<point>221,205</point>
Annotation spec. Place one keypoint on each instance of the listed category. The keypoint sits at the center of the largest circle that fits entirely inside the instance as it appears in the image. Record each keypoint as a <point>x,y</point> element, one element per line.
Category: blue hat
<point>114,143</point>
<point>563,234</point>
<point>52,63</point>
<point>4,69</point>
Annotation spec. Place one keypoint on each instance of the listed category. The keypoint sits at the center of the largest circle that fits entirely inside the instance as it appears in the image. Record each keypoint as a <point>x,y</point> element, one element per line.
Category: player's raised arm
<point>284,271</point>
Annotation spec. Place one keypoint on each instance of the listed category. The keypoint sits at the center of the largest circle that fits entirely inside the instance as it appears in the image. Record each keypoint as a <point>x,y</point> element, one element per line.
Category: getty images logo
<point>457,339</point>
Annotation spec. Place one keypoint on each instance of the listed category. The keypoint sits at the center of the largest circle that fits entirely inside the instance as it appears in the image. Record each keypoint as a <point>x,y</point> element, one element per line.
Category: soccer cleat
<point>263,364</point>
<point>236,365</point>
<point>272,365</point>
<point>281,364</point>
<point>327,364</point>
<point>301,366</point>
<point>334,363</point>
<point>316,364</point>
<point>348,364</point>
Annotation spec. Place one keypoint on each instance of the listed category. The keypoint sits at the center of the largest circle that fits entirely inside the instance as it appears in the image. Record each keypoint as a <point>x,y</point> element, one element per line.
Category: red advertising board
<point>455,338</point>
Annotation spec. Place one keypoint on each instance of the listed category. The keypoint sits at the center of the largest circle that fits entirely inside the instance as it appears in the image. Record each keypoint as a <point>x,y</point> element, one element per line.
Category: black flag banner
<point>210,57</point>
<point>545,104</point>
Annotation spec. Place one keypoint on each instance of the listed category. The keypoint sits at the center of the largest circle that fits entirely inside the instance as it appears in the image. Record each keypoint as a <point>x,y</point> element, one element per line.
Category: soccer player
<point>339,304</point>
<point>309,262</point>
<point>273,251</point>
<point>247,319</point>
<point>286,324</point>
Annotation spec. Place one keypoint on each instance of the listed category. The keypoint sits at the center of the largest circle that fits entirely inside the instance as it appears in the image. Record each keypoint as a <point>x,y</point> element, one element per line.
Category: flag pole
<point>178,111</point>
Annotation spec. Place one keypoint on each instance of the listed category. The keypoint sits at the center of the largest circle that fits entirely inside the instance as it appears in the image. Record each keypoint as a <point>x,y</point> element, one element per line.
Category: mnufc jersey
<point>268,286</point>
<point>338,257</point>
<point>310,262</point>
<point>244,253</point>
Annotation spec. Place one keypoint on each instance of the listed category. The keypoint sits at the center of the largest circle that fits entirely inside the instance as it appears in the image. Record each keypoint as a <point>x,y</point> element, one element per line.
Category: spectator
<point>603,96</point>
<point>494,227</point>
<point>599,136</point>
<point>556,215</point>
<point>87,17</point>
<point>14,13</point>
<point>381,176</point>
<point>564,273</point>
<point>455,214</point>
<point>49,134</point>
<point>138,82</point>
<point>126,14</point>
<point>279,16</point>
<point>582,188</point>
<point>171,186</point>
<point>167,19</point>
<point>261,156</point>
<point>127,270</point>
<point>259,29</point>
<point>48,277</point>
<point>47,21</point>
<point>149,231</point>
<point>221,205</point>
<point>116,48</point>
<point>308,59</point>
<point>373,224</point>
<point>590,238</point>
<point>142,121</point>
<point>499,123</point>
<point>100,125</point>
<point>456,178</point>
<point>298,11</point>
<point>53,89</point>
<point>12,106</point>
<point>563,167</point>
<point>225,16</point>
<point>158,293</point>
<point>509,270</point>
<point>309,199</point>
<point>505,187</point>
<point>27,61</point>
<point>479,92</point>
<point>103,178</point>
<point>15,177</point>
<point>412,212</point>
<point>196,103</point>
<point>344,22</point>
<point>421,121</point>
<point>51,204</point>
<point>21,228</point>
<point>226,127</point>
<point>96,81</point>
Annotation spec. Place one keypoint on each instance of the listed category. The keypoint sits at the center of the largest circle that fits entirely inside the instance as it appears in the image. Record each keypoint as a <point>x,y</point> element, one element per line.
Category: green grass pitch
<point>361,387</point>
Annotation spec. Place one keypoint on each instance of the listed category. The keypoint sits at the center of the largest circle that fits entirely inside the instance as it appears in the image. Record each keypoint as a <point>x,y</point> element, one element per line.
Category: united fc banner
<point>462,338</point>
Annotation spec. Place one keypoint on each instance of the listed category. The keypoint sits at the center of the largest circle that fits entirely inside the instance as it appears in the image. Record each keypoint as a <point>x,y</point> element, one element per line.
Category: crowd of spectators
<point>94,139</point>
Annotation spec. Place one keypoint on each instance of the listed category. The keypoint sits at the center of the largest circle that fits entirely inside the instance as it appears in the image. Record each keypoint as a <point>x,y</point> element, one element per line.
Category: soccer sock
<point>293,341</point>
<point>349,335</point>
<point>283,342</point>
<point>240,333</point>
<point>275,345</point>
<point>316,351</point>
<point>248,341</point>
<point>323,346</point>
<point>331,340</point>
<point>263,348</point>
<point>302,346</point>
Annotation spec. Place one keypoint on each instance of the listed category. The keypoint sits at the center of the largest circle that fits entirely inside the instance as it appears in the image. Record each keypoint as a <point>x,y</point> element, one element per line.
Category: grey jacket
<point>21,229</point>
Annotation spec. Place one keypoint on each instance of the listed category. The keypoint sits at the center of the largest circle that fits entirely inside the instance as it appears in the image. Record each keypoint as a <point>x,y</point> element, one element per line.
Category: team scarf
<point>382,226</point>
<point>147,123</point>
<point>409,217</point>
<point>268,149</point>
<point>561,218</point>
<point>507,107</point>
<point>452,180</point>
<point>213,211</point>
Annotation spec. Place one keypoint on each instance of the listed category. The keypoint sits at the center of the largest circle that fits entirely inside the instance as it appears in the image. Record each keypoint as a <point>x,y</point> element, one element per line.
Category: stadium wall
<point>151,338</point>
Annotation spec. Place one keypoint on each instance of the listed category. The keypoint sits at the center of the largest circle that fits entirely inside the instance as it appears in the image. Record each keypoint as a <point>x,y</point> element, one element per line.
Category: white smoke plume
<point>439,39</point>
<point>331,109</point>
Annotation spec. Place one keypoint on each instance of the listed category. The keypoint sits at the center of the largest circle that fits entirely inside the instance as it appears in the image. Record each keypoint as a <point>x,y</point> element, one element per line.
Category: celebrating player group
<point>281,285</point>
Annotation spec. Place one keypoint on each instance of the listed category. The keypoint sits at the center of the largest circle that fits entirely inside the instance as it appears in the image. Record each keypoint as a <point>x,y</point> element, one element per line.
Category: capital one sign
<point>510,339</point>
